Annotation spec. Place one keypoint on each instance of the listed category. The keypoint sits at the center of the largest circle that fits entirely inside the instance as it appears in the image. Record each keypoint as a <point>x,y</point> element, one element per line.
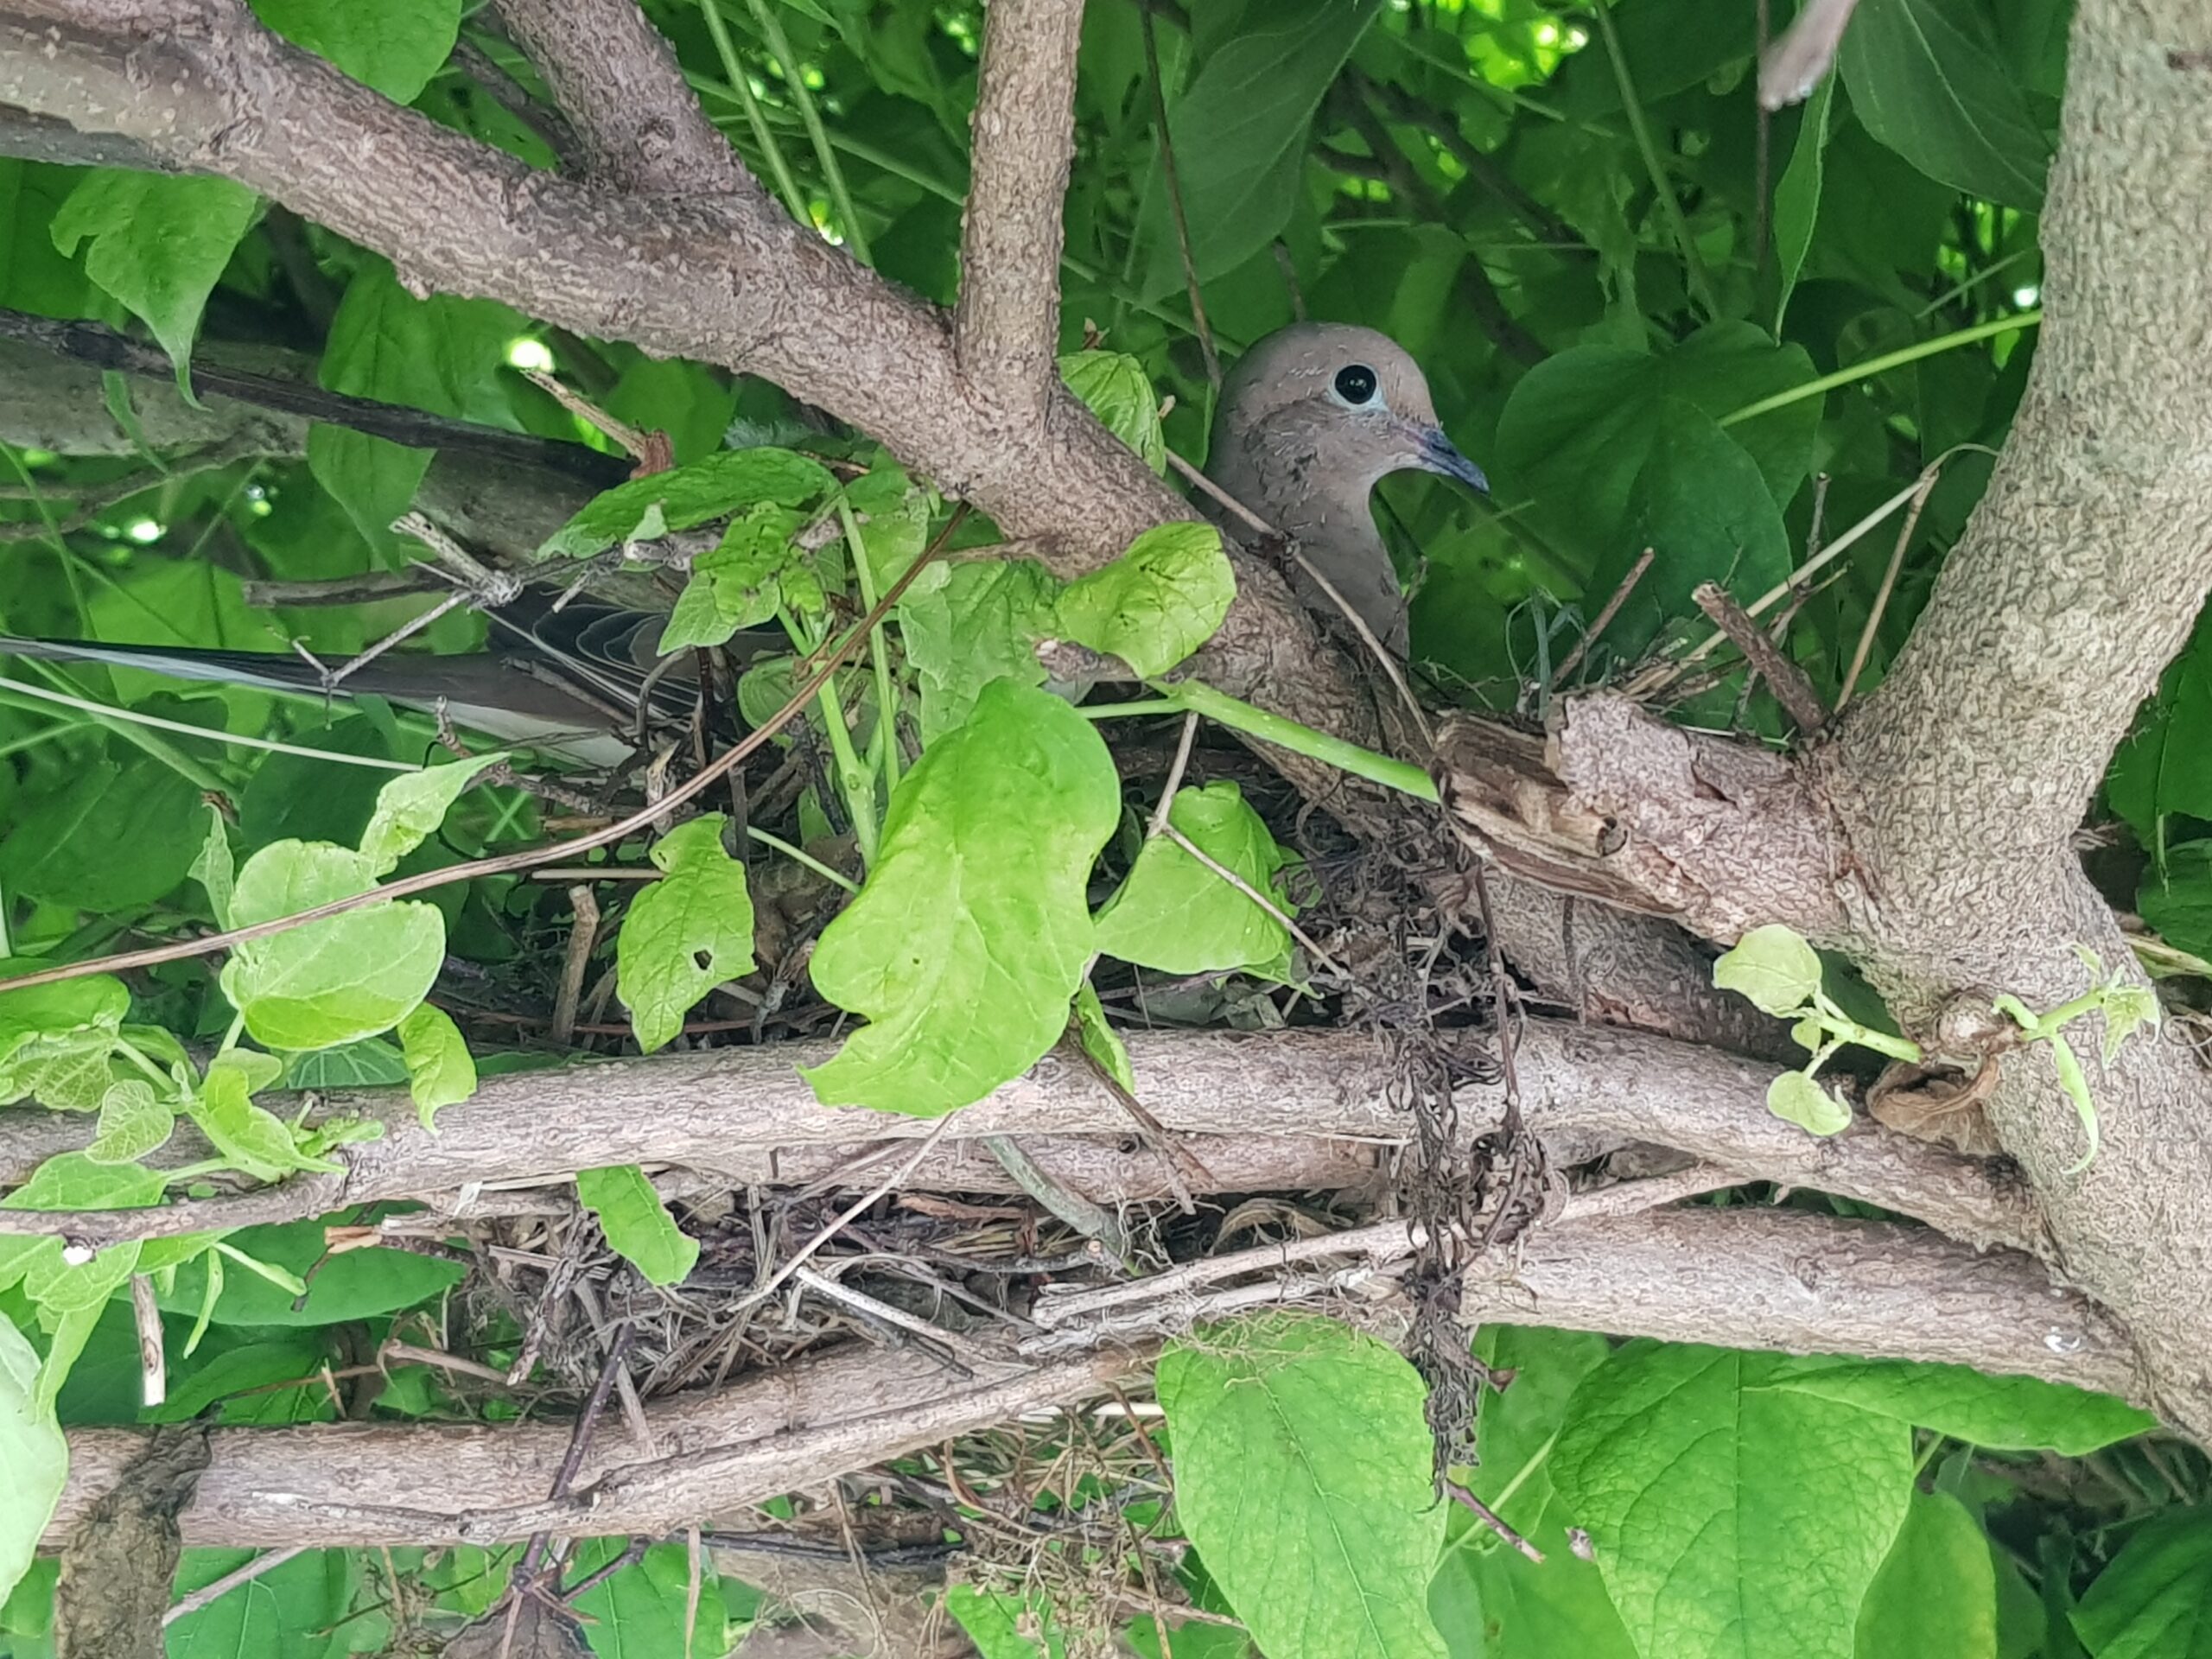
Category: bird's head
<point>1346,402</point>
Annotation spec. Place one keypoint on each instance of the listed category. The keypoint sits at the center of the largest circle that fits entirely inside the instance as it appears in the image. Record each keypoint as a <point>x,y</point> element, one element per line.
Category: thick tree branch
<point>1007,330</point>
<point>615,77</point>
<point>1782,1280</point>
<point>1283,1109</point>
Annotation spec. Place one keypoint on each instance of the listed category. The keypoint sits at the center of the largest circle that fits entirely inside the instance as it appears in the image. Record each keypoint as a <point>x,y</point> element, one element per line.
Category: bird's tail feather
<point>263,671</point>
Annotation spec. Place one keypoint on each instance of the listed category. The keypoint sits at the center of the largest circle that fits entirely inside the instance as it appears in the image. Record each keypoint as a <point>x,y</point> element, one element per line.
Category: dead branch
<point>1006,330</point>
<point>1782,1280</point>
<point>1281,1111</point>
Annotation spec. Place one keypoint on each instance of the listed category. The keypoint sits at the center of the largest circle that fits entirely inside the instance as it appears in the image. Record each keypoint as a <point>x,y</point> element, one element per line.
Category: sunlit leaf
<point>637,1223</point>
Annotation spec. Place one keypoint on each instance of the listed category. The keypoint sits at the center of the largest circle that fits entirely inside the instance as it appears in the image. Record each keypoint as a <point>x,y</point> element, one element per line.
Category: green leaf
<point>439,1071</point>
<point>967,624</point>
<point>1320,1430</point>
<point>1773,967</point>
<point>410,808</point>
<point>443,355</point>
<point>284,1615</point>
<point>394,46</point>
<point>2076,1085</point>
<point>33,1452</point>
<point>1100,1040</point>
<point>2166,766</point>
<point>1797,1098</point>
<point>2155,1600</point>
<point>97,1002</point>
<point>116,837</point>
<point>637,1223</point>
<point>642,1611</point>
<point>1733,1517</point>
<point>1936,1596</point>
<point>364,1065</point>
<point>132,1123</point>
<point>159,243</point>
<point>2005,1414</point>
<point>214,870</point>
<point>1926,79</point>
<point>336,979</point>
<point>354,1285</point>
<point>1115,387</point>
<point>736,583</point>
<point>1797,194</point>
<point>1176,915</point>
<point>1241,129</point>
<point>971,933</point>
<point>685,934</point>
<point>253,1138</point>
<point>997,1623</point>
<point>689,496</point>
<point>1157,603</point>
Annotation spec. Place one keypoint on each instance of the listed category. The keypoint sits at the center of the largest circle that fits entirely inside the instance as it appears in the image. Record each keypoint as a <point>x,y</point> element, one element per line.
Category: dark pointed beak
<point>1440,454</point>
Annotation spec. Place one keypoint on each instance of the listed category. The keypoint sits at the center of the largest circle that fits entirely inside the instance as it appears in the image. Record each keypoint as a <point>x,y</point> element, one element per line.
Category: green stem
<point>772,31</point>
<point>742,86</point>
<point>1874,365</point>
<point>886,701</point>
<point>1700,284</point>
<point>129,731</point>
<point>1124,710</point>
<point>1196,696</point>
<point>799,855</point>
<point>856,779</point>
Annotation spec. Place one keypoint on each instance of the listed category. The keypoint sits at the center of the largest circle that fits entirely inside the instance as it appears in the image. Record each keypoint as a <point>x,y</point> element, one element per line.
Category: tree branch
<point>1765,1280</point>
<point>1007,330</point>
<point>615,77</point>
<point>1287,1110</point>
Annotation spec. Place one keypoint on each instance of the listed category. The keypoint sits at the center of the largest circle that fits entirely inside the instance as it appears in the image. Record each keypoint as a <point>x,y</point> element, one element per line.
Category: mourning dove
<point>1310,419</point>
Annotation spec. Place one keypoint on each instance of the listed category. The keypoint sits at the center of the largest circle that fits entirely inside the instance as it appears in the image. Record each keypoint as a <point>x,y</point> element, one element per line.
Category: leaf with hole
<point>685,934</point>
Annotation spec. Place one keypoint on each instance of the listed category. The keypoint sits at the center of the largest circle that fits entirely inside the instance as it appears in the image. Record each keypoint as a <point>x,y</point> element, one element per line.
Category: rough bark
<point>1320,1101</point>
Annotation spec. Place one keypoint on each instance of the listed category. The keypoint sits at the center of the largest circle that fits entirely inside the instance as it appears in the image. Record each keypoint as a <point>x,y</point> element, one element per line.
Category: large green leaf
<point>443,355</point>
<point>350,1285</point>
<point>2010,1413</point>
<point>1935,1597</point>
<point>1927,80</point>
<point>33,1452</point>
<point>395,45</point>
<point>967,624</point>
<point>1734,1516</point>
<point>1492,1602</point>
<point>1241,130</point>
<point>1176,915</point>
<point>158,244</point>
<point>333,980</point>
<point>1157,603</point>
<point>287,1612</point>
<point>1302,1474</point>
<point>685,934</point>
<point>1797,195</point>
<point>642,1611</point>
<point>2155,1600</point>
<point>118,836</point>
<point>971,933</point>
<point>689,496</point>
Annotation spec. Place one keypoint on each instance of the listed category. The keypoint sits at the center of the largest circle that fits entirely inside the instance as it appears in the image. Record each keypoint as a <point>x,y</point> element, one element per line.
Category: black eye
<point>1356,383</point>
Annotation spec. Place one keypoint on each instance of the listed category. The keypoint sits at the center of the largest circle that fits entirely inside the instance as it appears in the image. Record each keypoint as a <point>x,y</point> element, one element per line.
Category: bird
<point>1311,417</point>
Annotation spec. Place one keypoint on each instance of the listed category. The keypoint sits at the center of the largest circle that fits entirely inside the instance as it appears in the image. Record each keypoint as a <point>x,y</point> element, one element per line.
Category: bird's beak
<point>1438,453</point>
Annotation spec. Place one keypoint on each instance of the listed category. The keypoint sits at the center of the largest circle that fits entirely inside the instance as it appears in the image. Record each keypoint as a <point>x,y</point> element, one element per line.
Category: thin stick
<point>1175,197</point>
<point>823,1285</point>
<point>1258,898</point>
<point>1089,1219</point>
<point>186,1605</point>
<point>582,933</point>
<point>1159,824</point>
<point>1791,689</point>
<point>775,1279</point>
<point>153,1367</point>
<point>1889,586</point>
<point>231,739</point>
<point>1605,617</point>
<point>512,863</point>
<point>1261,527</point>
<point>1490,1518</point>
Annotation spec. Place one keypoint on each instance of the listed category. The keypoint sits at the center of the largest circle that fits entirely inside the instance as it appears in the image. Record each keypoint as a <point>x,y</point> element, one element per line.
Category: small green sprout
<point>1780,974</point>
<point>2125,1005</point>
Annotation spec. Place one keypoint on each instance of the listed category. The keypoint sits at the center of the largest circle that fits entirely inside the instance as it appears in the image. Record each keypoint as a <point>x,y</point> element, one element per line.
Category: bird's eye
<point>1356,383</point>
